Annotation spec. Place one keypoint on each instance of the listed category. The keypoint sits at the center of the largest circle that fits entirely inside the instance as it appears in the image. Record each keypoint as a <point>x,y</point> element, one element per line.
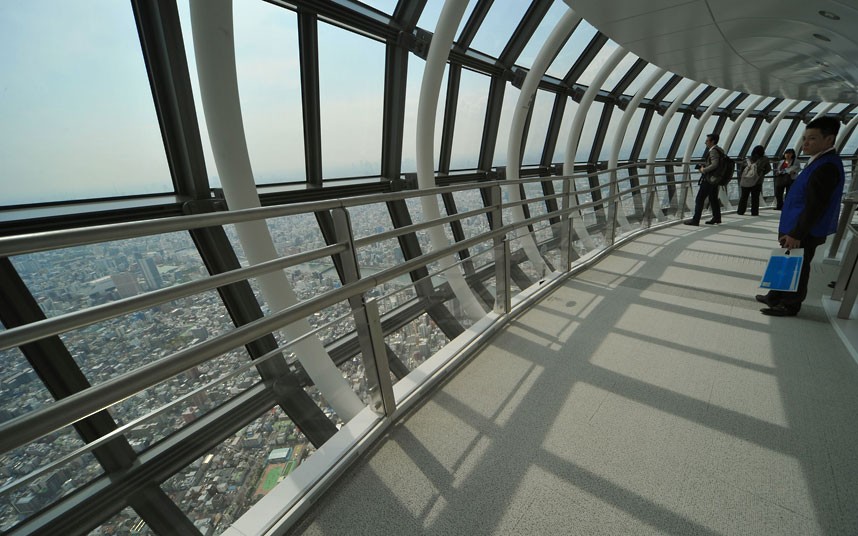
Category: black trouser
<point>792,300</point>
<point>782,184</point>
<point>705,191</point>
<point>754,192</point>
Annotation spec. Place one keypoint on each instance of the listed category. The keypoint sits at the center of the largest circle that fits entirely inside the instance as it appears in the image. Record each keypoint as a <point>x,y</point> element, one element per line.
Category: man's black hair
<point>713,137</point>
<point>827,125</point>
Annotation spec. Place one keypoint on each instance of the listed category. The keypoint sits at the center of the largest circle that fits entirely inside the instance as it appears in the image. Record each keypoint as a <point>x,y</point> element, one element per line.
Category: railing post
<point>566,248</point>
<point>651,192</point>
<point>367,323</point>
<point>613,206</point>
<point>501,256</point>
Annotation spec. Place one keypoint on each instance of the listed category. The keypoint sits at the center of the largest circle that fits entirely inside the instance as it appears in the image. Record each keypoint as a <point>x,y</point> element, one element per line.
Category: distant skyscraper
<point>126,284</point>
<point>150,272</point>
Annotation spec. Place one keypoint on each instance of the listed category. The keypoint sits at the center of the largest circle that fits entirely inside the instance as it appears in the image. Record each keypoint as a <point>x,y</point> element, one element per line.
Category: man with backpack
<point>711,172</point>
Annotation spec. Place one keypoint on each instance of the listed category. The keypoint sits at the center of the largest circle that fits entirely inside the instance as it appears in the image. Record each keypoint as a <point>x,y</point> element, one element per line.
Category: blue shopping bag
<point>783,270</point>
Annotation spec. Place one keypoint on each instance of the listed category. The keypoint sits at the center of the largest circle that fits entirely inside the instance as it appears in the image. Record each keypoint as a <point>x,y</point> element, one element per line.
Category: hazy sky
<point>77,118</point>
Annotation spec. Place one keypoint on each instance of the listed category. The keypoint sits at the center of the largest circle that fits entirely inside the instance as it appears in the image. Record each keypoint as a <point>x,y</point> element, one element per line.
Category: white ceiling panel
<point>787,48</point>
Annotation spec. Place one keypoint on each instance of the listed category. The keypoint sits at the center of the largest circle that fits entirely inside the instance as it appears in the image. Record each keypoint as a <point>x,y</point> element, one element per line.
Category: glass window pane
<point>541,34</point>
<point>630,135</point>
<point>669,135</point>
<point>385,6</point>
<point>595,66</point>
<point>538,131</point>
<point>658,85</point>
<point>416,67</point>
<point>78,120</point>
<point>619,71</point>
<point>640,79</point>
<point>563,135</point>
<point>680,88</point>
<point>187,36</point>
<point>498,26</point>
<point>851,145</point>
<point>470,116</point>
<point>588,134</point>
<point>510,97</point>
<point>741,135</point>
<point>782,104</point>
<point>779,133</point>
<point>269,82</point>
<point>570,52</point>
<point>763,103</point>
<point>351,86</point>
<point>695,94</point>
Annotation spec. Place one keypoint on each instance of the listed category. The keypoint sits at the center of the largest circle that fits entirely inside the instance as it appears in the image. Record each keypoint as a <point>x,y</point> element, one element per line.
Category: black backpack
<point>727,169</point>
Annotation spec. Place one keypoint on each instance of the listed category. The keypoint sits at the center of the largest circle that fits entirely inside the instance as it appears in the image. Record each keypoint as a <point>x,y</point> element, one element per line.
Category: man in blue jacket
<point>810,210</point>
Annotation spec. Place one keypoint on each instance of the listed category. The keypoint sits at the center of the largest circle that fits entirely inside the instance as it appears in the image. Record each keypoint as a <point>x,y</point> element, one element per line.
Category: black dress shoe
<point>778,310</point>
<point>764,299</point>
<point>691,222</point>
<point>713,222</point>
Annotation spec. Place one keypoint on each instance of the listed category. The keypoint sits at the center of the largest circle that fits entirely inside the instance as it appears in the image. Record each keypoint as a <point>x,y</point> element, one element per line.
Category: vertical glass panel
<point>669,135</point>
<point>498,26</point>
<point>758,137</point>
<point>541,34</point>
<point>851,145</point>
<point>188,37</point>
<point>78,120</point>
<point>744,128</point>
<point>665,78</point>
<point>542,106</point>
<point>796,138</point>
<point>779,133</point>
<point>416,67</point>
<point>429,17</point>
<point>630,136</point>
<point>611,133</point>
<point>385,6</point>
<point>269,83</point>
<point>563,135</point>
<point>640,79</point>
<point>351,80</point>
<point>619,71</point>
<point>596,65</point>
<point>695,94</point>
<point>680,88</point>
<point>782,104</point>
<point>570,52</point>
<point>510,97</point>
<point>416,341</point>
<point>649,134</point>
<point>470,117</point>
<point>763,103</point>
<point>588,134</point>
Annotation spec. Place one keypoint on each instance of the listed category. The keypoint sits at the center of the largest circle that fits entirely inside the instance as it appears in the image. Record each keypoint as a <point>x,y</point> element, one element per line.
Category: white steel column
<point>578,126</point>
<point>430,89</point>
<point>659,135</point>
<point>623,126</point>
<point>526,97</point>
<point>215,55</point>
<point>771,130</point>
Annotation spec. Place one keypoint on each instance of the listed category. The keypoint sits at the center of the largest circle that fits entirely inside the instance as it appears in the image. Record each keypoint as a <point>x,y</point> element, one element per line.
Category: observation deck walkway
<point>646,395</point>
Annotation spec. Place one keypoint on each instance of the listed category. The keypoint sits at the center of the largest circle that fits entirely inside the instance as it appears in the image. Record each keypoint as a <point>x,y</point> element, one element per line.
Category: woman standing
<point>756,167</point>
<point>785,174</point>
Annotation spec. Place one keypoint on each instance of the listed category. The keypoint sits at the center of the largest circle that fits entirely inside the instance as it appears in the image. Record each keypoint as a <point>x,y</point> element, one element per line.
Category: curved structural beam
<point>656,143</point>
<point>430,88</point>
<point>211,22</point>
<point>549,50</point>
<point>578,126</point>
<point>728,141</point>
<point>623,126</point>
<point>776,121</point>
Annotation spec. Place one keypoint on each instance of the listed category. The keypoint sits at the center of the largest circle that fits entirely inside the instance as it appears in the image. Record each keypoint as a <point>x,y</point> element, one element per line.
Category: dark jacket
<point>813,204</point>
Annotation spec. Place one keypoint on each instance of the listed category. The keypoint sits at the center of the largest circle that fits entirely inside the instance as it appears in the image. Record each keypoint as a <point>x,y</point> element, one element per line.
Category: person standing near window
<point>708,184</point>
<point>785,174</point>
<point>756,167</point>
<point>810,211</point>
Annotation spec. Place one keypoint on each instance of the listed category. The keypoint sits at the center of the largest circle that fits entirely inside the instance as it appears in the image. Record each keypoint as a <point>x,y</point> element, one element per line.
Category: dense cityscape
<point>220,486</point>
